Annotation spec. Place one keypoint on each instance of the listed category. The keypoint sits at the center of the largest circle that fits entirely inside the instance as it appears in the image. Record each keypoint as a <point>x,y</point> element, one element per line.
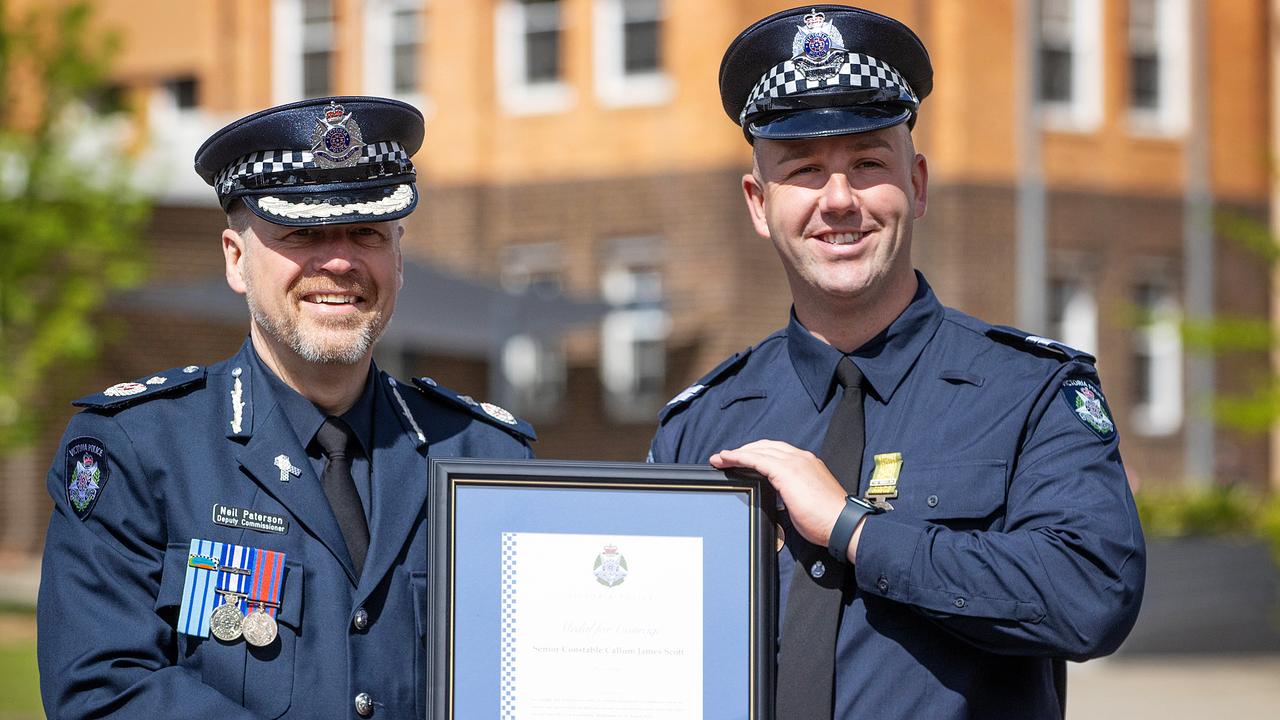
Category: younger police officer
<point>958,519</point>
<point>247,539</point>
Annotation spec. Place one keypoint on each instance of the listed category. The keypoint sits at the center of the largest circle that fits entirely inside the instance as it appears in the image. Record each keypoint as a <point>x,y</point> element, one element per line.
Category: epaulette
<point>122,395</point>
<point>488,412</point>
<point>717,374</point>
<point>1019,339</point>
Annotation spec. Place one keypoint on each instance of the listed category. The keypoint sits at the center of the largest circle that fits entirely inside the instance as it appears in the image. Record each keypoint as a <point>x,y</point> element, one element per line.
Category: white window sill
<point>1152,124</point>
<point>636,90</point>
<point>541,99</point>
<point>1066,118</point>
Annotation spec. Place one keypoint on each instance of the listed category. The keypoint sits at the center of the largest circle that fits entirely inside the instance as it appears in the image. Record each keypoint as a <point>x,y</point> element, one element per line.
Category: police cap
<point>822,70</point>
<point>318,162</point>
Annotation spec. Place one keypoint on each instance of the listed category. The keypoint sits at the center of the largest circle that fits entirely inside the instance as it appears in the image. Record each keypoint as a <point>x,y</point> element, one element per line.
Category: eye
<point>803,170</point>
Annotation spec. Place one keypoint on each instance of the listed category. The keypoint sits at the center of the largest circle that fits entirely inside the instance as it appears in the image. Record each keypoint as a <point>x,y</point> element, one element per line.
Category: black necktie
<point>334,437</point>
<point>806,660</point>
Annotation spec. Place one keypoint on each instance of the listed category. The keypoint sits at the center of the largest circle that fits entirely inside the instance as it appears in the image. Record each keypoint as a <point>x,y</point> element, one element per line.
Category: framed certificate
<point>600,590</point>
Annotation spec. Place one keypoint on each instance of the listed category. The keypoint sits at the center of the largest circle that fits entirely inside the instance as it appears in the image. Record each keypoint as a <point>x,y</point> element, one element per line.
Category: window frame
<point>1158,338</point>
<point>615,87</point>
<point>1083,111</point>
<point>516,95</point>
<point>1171,115</point>
<point>379,23</point>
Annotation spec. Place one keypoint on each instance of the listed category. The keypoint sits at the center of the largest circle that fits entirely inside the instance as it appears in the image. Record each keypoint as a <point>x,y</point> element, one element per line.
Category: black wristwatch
<point>842,533</point>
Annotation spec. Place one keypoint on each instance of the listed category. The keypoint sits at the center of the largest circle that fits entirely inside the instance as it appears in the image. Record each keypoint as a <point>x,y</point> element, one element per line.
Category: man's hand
<point>813,496</point>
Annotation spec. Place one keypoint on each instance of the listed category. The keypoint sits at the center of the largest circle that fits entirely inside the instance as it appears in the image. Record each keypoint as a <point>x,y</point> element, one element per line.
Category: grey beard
<point>288,335</point>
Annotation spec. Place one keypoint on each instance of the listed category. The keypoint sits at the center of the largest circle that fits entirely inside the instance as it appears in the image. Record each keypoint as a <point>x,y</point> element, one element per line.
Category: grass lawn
<point>19,682</point>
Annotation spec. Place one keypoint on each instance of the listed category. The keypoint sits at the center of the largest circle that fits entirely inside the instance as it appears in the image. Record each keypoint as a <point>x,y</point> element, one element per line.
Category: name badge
<point>234,517</point>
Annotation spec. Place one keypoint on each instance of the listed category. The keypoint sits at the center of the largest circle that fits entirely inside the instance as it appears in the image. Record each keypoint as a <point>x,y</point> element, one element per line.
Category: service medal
<point>227,623</point>
<point>260,629</point>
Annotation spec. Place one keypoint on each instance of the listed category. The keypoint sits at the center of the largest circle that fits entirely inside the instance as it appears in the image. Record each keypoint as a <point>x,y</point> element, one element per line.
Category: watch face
<point>862,503</point>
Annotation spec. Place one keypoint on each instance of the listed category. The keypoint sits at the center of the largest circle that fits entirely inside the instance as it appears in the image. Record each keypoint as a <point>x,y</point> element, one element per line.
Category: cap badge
<point>336,141</point>
<point>817,51</point>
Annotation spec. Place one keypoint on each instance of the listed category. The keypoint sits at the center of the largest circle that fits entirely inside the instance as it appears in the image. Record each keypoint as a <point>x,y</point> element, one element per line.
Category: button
<point>364,705</point>
<point>883,584</point>
<point>361,620</point>
<point>933,501</point>
<point>960,602</point>
<point>818,570</point>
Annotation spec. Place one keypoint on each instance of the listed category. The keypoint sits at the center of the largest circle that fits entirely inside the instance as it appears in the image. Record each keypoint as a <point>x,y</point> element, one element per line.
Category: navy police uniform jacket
<point>165,451</point>
<point>1013,544</point>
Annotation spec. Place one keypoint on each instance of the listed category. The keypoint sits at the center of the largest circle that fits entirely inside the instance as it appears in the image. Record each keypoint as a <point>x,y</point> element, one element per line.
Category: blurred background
<point>1101,173</point>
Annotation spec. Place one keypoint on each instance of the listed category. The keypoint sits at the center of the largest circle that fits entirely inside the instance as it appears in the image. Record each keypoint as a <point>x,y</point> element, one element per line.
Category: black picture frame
<point>724,510</point>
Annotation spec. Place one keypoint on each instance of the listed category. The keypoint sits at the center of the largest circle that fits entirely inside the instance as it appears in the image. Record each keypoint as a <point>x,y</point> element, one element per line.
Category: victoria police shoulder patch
<point>86,474</point>
<point>1086,402</point>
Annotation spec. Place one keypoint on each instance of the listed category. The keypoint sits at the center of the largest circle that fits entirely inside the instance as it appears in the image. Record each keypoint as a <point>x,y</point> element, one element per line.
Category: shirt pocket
<point>259,678</point>
<point>962,495</point>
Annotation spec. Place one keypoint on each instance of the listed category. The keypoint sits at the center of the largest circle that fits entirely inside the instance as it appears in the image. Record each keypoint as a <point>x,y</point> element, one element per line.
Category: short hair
<point>239,216</point>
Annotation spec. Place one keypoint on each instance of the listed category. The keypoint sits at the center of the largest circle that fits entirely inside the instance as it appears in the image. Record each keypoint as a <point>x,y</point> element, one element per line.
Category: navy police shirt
<point>1013,543</point>
<point>219,455</point>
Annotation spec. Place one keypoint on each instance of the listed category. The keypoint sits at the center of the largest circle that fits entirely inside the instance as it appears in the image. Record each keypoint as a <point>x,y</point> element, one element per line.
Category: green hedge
<point>1235,511</point>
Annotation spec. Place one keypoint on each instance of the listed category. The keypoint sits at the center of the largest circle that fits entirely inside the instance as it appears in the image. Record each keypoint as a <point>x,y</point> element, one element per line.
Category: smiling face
<point>839,211</point>
<point>321,294</point>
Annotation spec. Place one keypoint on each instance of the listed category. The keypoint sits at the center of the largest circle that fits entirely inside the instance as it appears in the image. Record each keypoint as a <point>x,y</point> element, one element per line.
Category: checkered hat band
<point>857,71</point>
<point>390,155</point>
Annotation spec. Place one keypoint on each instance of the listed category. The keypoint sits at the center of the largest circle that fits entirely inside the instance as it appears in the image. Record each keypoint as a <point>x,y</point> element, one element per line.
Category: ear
<point>233,254</point>
<point>753,193</point>
<point>920,184</point>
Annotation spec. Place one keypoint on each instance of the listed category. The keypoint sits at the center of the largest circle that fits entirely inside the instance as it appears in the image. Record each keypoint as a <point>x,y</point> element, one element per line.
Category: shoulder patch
<point>1086,402</point>
<point>488,412</point>
<point>124,394</point>
<point>1034,343</point>
<point>86,474</point>
<point>717,374</point>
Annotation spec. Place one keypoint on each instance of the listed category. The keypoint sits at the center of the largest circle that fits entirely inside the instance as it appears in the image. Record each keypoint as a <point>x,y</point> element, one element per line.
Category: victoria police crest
<point>611,567</point>
<point>337,140</point>
<point>86,474</point>
<point>1089,406</point>
<point>817,51</point>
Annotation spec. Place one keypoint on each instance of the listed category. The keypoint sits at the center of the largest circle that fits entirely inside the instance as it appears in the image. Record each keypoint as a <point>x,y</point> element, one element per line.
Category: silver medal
<point>227,623</point>
<point>260,628</point>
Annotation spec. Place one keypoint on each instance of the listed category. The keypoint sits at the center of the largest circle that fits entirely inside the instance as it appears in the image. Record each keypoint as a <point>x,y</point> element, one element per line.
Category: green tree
<point>70,222</point>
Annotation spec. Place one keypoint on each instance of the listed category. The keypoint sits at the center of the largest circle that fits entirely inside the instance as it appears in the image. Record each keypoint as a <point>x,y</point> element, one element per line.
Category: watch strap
<point>842,532</point>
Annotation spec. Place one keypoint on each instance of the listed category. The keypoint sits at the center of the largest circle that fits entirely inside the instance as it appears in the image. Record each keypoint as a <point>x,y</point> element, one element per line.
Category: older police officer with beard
<point>958,521</point>
<point>247,539</point>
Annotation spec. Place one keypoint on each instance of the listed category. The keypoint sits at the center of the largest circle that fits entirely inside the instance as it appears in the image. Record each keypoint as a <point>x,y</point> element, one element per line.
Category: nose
<point>335,251</point>
<point>837,195</point>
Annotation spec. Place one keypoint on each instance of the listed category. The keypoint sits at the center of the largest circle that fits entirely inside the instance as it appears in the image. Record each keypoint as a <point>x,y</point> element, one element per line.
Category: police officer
<point>958,521</point>
<point>247,539</point>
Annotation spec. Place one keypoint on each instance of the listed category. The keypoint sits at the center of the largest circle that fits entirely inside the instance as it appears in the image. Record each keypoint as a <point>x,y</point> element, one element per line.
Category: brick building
<point>1077,151</point>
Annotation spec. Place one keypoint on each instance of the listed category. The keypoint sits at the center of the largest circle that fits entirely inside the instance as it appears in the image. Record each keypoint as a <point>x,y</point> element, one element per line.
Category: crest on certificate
<point>611,567</point>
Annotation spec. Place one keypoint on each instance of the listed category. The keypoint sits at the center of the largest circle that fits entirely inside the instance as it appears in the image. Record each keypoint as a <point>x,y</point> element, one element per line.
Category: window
<point>529,48</point>
<point>1073,314</point>
<point>1055,51</point>
<point>1070,54</point>
<point>533,366</point>
<point>183,92</point>
<point>633,357</point>
<point>628,52</point>
<point>1157,362</point>
<point>317,47</point>
<point>394,69</point>
<point>302,48</point>
<point>1158,66</point>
